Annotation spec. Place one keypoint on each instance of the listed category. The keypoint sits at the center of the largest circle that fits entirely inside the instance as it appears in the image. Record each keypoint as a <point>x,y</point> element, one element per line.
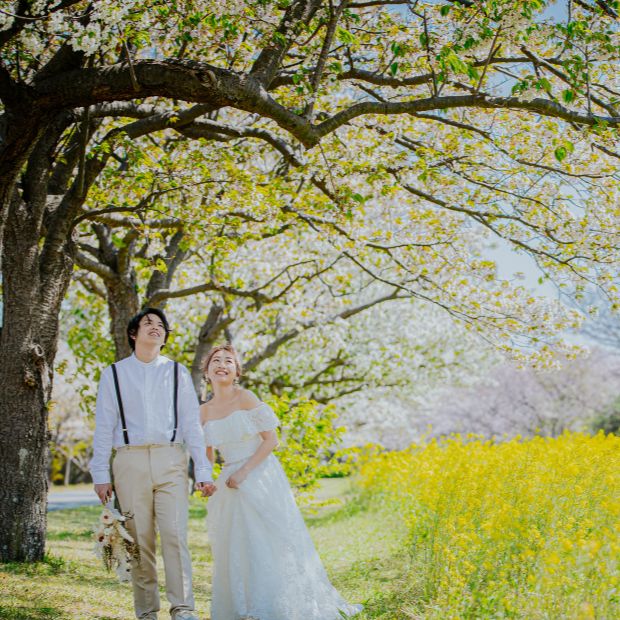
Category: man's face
<point>151,331</point>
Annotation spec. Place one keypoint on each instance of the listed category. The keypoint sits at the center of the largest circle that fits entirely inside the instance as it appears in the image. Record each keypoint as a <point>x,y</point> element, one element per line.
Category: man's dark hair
<point>134,325</point>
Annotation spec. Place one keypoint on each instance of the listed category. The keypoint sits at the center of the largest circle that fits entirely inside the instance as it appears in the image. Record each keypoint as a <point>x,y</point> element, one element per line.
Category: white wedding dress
<point>265,564</point>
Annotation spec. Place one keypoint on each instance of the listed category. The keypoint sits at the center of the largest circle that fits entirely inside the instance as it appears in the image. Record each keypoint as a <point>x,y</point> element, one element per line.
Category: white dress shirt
<point>147,392</point>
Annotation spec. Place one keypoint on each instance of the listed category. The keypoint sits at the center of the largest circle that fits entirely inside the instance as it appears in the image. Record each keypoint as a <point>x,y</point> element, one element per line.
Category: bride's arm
<point>267,446</point>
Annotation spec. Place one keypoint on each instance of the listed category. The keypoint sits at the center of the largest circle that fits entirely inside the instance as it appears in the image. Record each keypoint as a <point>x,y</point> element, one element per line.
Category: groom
<point>147,410</point>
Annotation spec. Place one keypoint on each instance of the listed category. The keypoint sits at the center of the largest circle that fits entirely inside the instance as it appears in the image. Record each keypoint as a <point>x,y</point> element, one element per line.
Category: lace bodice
<point>236,436</point>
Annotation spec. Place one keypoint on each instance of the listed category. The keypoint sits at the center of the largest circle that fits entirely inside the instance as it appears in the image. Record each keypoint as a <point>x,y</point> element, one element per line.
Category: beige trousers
<point>151,484</point>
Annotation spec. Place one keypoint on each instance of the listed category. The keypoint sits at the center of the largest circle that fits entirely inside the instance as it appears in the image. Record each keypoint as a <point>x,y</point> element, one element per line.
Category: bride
<point>265,564</point>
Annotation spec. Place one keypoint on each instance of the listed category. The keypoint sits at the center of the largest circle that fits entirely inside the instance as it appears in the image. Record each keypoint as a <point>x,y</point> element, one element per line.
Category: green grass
<point>359,547</point>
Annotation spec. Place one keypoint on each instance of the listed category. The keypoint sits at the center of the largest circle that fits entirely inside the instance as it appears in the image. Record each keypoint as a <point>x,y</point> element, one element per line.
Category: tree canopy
<point>368,152</point>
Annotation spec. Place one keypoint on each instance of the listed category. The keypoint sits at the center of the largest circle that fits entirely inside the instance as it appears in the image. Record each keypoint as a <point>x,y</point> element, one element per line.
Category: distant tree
<point>511,401</point>
<point>70,426</point>
<point>608,420</point>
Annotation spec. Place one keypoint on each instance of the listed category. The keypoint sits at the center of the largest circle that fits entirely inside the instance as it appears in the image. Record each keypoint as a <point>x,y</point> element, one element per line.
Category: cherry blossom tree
<point>509,401</point>
<point>413,132</point>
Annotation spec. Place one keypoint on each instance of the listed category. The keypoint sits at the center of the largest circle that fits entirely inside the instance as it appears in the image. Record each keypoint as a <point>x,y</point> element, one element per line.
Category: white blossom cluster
<point>96,31</point>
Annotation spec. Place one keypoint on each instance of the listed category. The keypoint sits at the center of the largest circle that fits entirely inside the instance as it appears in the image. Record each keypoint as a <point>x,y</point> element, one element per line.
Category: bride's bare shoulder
<point>247,399</point>
<point>206,413</point>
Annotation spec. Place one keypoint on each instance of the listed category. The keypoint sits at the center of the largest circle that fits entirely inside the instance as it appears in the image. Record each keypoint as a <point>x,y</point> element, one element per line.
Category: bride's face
<point>222,368</point>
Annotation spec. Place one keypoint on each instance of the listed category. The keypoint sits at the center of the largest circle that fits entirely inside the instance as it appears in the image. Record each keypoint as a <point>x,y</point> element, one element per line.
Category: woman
<point>265,564</point>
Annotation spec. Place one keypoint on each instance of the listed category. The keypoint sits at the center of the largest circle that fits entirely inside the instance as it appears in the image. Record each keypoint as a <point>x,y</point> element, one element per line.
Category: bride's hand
<point>236,479</point>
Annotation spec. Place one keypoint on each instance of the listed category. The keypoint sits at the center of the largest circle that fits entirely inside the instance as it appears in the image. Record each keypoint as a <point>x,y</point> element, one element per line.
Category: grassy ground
<point>359,548</point>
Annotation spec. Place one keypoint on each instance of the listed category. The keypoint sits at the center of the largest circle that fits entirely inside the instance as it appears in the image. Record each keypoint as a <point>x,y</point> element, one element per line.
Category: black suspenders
<point>122,412</point>
<point>176,407</point>
<point>120,405</point>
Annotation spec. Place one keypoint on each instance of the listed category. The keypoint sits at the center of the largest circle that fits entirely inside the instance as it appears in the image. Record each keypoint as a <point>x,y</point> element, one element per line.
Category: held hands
<point>104,492</point>
<point>236,479</point>
<point>206,488</point>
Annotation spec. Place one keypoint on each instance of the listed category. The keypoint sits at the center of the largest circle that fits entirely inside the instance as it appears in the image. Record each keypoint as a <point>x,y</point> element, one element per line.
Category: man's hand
<point>104,492</point>
<point>206,488</point>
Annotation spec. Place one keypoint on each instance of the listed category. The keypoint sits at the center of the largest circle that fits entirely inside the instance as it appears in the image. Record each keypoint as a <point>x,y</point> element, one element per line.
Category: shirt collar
<point>150,364</point>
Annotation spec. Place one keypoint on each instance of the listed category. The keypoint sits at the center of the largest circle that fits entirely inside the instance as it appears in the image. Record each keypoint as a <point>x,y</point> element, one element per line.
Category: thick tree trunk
<point>33,288</point>
<point>24,394</point>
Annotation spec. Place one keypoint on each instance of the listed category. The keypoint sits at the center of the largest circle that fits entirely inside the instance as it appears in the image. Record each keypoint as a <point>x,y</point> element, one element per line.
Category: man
<point>147,415</point>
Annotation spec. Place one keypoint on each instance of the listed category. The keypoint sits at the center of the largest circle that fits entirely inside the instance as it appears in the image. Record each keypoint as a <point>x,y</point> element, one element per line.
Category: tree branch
<point>103,271</point>
<point>271,349</point>
<point>270,58</point>
<point>334,17</point>
<point>219,131</point>
<point>218,87</point>
<point>90,285</point>
<point>174,256</point>
<point>544,107</point>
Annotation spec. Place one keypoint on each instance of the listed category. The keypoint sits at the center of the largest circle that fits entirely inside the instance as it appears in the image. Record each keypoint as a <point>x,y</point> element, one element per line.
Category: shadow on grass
<point>25,613</point>
<point>49,565</point>
<point>56,566</point>
<point>390,583</point>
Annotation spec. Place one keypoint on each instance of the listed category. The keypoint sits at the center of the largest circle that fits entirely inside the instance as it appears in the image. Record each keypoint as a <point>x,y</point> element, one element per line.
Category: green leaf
<point>469,42</point>
<point>545,84</point>
<point>560,153</point>
<point>455,63</point>
<point>472,72</point>
<point>278,37</point>
<point>569,95</point>
<point>394,68</point>
<point>445,9</point>
<point>345,36</point>
<point>397,49</point>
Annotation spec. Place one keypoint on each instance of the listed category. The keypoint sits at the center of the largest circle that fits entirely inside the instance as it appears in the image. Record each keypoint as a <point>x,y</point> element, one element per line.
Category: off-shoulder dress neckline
<point>231,414</point>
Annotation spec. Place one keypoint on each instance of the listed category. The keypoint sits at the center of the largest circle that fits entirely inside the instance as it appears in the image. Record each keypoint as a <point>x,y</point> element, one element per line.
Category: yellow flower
<point>529,524</point>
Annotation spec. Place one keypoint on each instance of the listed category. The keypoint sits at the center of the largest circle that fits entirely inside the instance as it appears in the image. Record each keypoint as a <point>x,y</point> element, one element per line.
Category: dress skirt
<point>265,564</point>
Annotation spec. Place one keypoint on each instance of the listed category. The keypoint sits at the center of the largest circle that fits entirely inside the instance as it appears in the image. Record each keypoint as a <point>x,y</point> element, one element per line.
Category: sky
<point>510,262</point>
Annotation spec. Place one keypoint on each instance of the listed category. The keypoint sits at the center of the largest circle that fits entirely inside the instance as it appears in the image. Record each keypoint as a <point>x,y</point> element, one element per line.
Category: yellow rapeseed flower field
<point>514,529</point>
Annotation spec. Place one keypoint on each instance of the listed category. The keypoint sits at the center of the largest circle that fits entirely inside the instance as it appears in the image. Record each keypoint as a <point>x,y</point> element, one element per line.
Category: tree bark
<point>113,265</point>
<point>37,262</point>
<point>123,304</point>
<point>35,280</point>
